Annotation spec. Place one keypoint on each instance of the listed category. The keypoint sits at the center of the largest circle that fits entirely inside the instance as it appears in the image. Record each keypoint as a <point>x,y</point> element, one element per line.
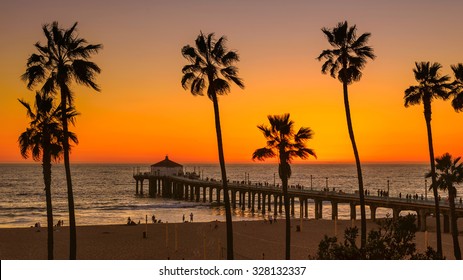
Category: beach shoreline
<point>255,240</point>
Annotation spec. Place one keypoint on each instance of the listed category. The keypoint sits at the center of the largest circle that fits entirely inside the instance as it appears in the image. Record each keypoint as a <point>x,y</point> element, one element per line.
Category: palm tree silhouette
<point>457,87</point>
<point>449,171</point>
<point>42,140</point>
<point>345,61</point>
<point>212,68</point>
<point>285,144</point>
<point>430,86</point>
<point>63,59</point>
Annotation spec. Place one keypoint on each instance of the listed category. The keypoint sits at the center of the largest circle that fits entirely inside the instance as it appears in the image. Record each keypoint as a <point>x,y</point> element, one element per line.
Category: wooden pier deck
<point>262,197</point>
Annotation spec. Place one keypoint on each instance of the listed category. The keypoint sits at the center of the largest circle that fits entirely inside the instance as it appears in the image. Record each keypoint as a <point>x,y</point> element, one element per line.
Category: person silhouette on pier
<point>191,217</point>
<point>183,218</point>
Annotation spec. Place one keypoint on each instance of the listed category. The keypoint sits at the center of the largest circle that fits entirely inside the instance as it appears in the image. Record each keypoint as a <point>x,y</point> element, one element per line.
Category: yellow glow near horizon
<point>143,113</point>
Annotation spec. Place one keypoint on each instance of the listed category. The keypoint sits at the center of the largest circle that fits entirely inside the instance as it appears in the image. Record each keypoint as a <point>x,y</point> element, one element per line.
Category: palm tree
<point>457,87</point>
<point>63,59</point>
<point>345,61</point>
<point>285,144</point>
<point>450,172</point>
<point>42,140</point>
<point>211,67</point>
<point>431,85</point>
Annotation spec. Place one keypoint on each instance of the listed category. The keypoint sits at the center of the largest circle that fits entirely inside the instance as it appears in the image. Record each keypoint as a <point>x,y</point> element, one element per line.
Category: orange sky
<point>143,112</point>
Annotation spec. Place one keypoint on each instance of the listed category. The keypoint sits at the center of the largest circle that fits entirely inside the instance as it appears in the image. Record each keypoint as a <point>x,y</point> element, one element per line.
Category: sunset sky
<point>143,113</point>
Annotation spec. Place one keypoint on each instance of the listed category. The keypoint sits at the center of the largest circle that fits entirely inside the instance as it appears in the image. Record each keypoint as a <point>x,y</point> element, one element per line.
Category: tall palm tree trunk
<point>226,198</point>
<point>284,183</point>
<point>427,116</point>
<point>453,217</point>
<point>67,167</point>
<point>363,228</point>
<point>46,166</point>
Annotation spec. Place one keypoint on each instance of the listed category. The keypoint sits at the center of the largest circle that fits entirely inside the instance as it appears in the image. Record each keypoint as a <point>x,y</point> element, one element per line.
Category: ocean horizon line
<point>217,163</point>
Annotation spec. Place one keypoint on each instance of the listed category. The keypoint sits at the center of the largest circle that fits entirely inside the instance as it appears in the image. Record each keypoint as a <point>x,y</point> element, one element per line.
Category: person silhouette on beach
<point>191,217</point>
<point>183,218</point>
<point>153,219</point>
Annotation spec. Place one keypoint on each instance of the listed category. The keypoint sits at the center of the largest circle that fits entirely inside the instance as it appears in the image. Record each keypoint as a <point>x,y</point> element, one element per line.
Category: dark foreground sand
<point>253,240</point>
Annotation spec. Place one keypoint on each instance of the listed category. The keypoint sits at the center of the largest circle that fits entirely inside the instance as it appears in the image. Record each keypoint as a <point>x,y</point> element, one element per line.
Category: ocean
<point>105,193</point>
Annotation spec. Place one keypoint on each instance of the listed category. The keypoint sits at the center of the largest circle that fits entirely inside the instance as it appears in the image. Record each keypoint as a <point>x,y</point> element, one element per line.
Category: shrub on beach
<point>393,240</point>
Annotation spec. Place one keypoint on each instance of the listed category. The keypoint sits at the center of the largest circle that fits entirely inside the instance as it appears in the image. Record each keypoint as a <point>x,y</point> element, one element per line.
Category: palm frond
<point>365,51</point>
<point>201,45</point>
<point>263,153</point>
<point>448,171</point>
<point>50,84</point>
<point>219,49</point>
<point>85,72</point>
<point>197,86</point>
<point>35,59</point>
<point>220,86</point>
<point>84,51</point>
<point>327,54</point>
<point>24,143</point>
<point>265,130</point>
<point>71,114</point>
<point>229,58</point>
<point>303,134</point>
<point>413,96</point>
<point>191,68</point>
<point>458,71</point>
<point>44,129</point>
<point>457,102</point>
<point>33,75</point>
<point>283,143</point>
<point>349,54</point>
<point>29,112</point>
<point>360,42</point>
<point>237,81</point>
<point>329,36</point>
<point>457,87</point>
<point>340,33</point>
<point>211,66</point>
<point>56,151</point>
<point>73,138</point>
<point>229,71</point>
<point>430,84</point>
<point>302,153</point>
<point>60,61</point>
<point>187,79</point>
<point>189,53</point>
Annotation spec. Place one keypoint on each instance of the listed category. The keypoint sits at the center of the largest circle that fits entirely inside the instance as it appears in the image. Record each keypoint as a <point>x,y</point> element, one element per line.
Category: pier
<point>267,198</point>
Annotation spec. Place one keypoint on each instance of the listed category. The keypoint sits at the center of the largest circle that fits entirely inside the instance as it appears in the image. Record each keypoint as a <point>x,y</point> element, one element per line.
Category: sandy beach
<point>253,240</point>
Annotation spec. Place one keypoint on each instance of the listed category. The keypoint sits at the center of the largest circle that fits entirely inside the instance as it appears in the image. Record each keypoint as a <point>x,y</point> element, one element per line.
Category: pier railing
<point>270,196</point>
<point>298,189</point>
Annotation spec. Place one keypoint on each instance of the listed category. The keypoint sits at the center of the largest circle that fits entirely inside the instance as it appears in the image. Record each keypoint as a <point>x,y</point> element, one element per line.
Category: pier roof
<point>167,163</point>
